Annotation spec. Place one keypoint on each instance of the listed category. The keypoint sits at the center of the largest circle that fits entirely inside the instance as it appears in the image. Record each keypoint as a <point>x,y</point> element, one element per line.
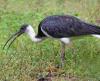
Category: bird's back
<point>65,26</point>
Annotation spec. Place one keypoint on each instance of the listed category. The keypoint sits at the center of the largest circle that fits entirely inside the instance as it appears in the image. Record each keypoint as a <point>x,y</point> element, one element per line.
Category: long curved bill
<point>12,39</point>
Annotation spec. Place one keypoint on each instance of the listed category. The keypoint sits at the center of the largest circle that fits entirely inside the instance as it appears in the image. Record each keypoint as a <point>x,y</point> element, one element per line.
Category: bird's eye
<point>22,28</point>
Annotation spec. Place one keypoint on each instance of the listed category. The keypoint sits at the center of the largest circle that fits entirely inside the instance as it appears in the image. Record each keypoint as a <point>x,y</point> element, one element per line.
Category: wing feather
<point>67,26</point>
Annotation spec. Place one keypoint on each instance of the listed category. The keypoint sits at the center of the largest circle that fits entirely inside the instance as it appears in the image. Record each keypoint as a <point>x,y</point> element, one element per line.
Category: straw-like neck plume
<point>30,31</point>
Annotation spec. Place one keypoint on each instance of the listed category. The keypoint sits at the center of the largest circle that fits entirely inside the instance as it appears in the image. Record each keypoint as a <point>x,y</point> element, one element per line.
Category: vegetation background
<point>27,61</point>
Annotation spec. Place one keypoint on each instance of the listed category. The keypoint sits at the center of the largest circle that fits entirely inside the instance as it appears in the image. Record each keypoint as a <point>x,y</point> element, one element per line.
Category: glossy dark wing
<point>67,26</point>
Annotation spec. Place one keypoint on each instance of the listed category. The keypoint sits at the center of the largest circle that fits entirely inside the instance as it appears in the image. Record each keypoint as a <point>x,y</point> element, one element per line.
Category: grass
<point>26,61</point>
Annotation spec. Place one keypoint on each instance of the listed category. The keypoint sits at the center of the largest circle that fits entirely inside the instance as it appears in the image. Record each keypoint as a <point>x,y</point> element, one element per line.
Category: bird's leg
<point>63,54</point>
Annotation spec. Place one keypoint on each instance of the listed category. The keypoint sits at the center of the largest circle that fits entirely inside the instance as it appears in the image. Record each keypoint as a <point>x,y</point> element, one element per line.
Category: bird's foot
<point>62,62</point>
<point>62,59</point>
<point>61,65</point>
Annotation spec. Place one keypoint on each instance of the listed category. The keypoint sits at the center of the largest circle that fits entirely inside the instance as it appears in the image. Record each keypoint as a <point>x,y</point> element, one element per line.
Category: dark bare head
<point>22,30</point>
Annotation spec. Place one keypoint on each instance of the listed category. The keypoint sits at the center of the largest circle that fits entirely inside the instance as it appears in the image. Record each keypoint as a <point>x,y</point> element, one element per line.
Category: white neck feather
<point>32,34</point>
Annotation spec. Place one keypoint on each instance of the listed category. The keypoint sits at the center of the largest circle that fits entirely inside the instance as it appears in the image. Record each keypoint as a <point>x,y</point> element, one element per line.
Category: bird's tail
<point>95,35</point>
<point>96,31</point>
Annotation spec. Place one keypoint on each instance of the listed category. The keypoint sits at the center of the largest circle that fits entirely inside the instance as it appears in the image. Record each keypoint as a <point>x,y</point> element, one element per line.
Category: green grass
<point>25,60</point>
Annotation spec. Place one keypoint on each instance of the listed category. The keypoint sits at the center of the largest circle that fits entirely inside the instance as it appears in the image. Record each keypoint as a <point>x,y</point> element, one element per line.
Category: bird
<point>60,27</point>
